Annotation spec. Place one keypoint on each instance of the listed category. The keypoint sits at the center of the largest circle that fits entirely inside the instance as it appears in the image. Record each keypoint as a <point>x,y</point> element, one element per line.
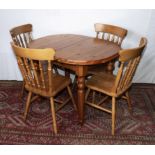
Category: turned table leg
<point>81,97</point>
<point>81,72</point>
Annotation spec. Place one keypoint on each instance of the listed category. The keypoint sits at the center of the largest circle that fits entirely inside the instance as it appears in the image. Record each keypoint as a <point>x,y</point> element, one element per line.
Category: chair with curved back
<point>43,82</point>
<point>116,86</point>
<point>22,36</point>
<point>110,33</point>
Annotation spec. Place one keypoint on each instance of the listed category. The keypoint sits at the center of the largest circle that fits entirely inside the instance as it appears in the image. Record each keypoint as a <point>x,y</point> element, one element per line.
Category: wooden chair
<point>43,82</point>
<point>110,33</point>
<point>116,86</point>
<point>22,36</point>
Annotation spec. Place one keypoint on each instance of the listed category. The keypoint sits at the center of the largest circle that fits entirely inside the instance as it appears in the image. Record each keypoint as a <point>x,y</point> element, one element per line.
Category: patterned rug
<point>137,127</point>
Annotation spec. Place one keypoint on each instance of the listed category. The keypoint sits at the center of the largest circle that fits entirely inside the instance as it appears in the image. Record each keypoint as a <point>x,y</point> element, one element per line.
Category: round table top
<point>78,49</point>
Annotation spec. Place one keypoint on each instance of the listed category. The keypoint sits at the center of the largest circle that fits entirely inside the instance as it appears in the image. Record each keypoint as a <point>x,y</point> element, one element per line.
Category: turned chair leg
<point>53,115</point>
<point>27,104</point>
<point>113,114</point>
<point>128,100</point>
<point>72,98</point>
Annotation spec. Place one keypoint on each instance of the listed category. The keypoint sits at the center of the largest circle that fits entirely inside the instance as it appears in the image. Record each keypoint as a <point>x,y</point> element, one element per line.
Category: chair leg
<point>53,115</point>
<point>71,96</point>
<point>27,104</point>
<point>23,88</point>
<point>113,114</point>
<point>128,100</point>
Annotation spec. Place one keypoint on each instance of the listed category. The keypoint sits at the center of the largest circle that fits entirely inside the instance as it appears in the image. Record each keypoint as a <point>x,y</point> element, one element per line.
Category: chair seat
<point>96,69</point>
<point>60,82</point>
<point>103,82</point>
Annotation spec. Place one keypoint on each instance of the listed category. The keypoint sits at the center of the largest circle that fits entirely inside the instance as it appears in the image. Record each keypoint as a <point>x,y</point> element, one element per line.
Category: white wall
<point>46,22</point>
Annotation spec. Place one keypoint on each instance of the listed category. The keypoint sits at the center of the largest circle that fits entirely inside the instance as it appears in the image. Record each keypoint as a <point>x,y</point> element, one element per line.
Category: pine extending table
<point>77,52</point>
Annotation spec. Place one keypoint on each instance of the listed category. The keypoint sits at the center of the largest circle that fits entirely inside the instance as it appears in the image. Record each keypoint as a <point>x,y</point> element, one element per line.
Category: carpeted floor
<point>137,127</point>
